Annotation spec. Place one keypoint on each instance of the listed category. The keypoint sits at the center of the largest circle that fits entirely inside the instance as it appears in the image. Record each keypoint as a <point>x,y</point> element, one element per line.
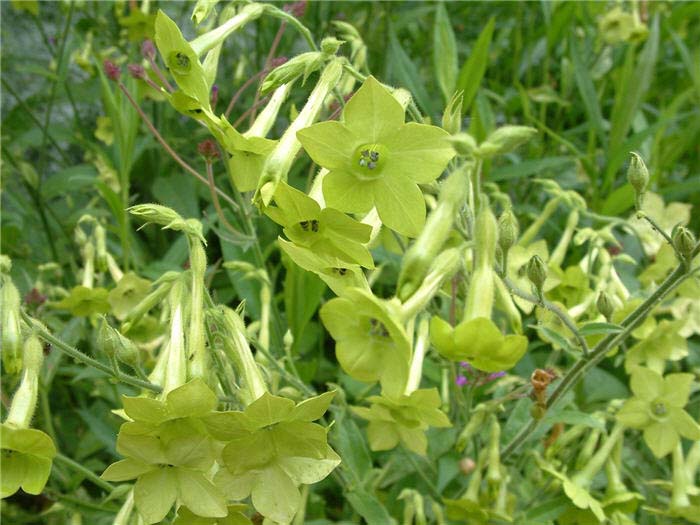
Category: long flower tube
<point>416,369</point>
<point>196,340</point>
<point>176,370</point>
<point>280,160</point>
<point>267,117</point>
<point>25,398</point>
<point>480,296</point>
<point>211,39</point>
<point>438,227</point>
<point>584,477</point>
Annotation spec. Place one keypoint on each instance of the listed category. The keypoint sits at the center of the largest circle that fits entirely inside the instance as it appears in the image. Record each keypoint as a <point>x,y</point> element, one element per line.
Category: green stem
<point>89,474</point>
<point>578,370</point>
<point>85,359</point>
<point>563,316</point>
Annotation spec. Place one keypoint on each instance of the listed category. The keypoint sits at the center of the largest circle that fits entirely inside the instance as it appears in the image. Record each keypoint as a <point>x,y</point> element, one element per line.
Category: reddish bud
<point>148,49</point>
<point>296,9</point>
<point>213,99</point>
<point>34,298</point>
<point>112,70</point>
<point>277,61</point>
<point>137,71</point>
<point>207,149</point>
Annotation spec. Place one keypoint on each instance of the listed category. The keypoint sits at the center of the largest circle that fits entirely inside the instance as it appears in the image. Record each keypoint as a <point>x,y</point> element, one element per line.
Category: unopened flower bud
<point>537,272</point>
<point>330,45</point>
<point>467,465</point>
<point>112,70</point>
<point>452,117</point>
<point>33,352</point>
<point>127,352</point>
<point>683,241</point>
<point>297,9</point>
<point>136,71</point>
<point>464,144</point>
<point>105,339</point>
<point>508,230</point>
<point>148,49</point>
<point>537,411</point>
<point>504,140</point>
<point>638,176</point>
<point>207,149</point>
<point>605,305</point>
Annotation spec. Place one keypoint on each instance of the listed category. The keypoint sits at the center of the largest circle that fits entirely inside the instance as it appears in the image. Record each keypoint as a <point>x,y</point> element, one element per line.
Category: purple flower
<point>461,380</point>
<point>495,375</point>
<point>111,70</point>
<point>136,71</point>
<point>148,49</point>
<point>466,365</point>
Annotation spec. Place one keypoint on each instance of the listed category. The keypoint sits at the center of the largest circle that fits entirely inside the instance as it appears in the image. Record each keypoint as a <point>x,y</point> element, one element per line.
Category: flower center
<point>311,225</point>
<point>377,328</point>
<point>179,63</point>
<point>369,159</point>
<point>659,409</point>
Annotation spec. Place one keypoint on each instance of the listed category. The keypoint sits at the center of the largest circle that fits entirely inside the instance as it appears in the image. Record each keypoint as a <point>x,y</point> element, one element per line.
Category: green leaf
<point>444,52</point>
<point>474,68</point>
<point>200,495</point>
<point>586,88</point>
<point>405,71</point>
<point>661,438</point>
<point>599,329</point>
<point>155,493</point>
<point>275,496</point>
<point>369,507</point>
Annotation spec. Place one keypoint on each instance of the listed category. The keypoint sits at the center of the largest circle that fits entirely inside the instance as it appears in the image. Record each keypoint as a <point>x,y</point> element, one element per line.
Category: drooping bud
<point>504,140</point>
<point>127,352</point>
<point>303,64</point>
<point>508,230</point>
<point>330,45</point>
<point>464,144</point>
<point>683,241</point>
<point>112,70</point>
<point>207,149</point>
<point>136,71</point>
<point>605,305</point>
<point>148,49</point>
<point>11,334</point>
<point>537,272</point>
<point>452,117</point>
<point>638,177</point>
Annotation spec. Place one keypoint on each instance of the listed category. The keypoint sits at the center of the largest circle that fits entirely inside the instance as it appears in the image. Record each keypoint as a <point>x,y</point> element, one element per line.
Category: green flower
<point>657,408</point>
<point>181,60</point>
<point>337,274</point>
<point>130,291</point>
<point>83,301</point>
<point>273,447</point>
<point>479,342</point>
<point>371,345</point>
<point>327,232</point>
<point>404,419</point>
<point>662,344</point>
<point>375,159</point>
<point>26,460</point>
<point>169,452</point>
<point>235,516</point>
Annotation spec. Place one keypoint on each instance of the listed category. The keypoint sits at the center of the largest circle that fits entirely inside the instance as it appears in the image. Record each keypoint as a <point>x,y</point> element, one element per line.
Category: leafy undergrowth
<point>350,262</point>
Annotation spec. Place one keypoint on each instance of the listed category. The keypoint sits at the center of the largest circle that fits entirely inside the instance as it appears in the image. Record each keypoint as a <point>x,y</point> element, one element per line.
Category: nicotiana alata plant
<point>223,428</point>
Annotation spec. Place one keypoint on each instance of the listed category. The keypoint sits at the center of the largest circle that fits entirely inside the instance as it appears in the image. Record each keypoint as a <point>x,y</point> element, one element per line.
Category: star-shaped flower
<point>657,408</point>
<point>376,159</point>
<point>273,447</point>
<point>326,232</point>
<point>371,344</point>
<point>404,419</point>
